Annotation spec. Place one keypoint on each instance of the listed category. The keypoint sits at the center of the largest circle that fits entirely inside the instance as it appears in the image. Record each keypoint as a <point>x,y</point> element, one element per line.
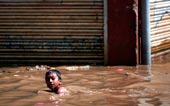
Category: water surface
<point>87,86</point>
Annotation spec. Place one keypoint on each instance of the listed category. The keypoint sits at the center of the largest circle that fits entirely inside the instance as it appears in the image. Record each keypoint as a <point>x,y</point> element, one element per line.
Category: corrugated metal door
<point>160,26</point>
<point>51,31</point>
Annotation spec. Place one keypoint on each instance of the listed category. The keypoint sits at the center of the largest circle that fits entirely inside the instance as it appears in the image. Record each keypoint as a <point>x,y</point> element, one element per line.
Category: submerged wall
<point>121,32</point>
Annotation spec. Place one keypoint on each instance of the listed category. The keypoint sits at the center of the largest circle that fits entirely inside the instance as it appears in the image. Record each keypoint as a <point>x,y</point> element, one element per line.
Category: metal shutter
<point>51,31</point>
<point>160,26</point>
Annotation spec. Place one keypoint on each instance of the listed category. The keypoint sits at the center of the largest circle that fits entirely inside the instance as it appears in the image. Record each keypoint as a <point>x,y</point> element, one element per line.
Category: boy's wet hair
<point>53,71</point>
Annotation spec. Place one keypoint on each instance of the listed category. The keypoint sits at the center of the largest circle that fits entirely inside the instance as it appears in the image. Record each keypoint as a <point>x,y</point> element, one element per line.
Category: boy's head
<point>53,79</point>
<point>53,71</point>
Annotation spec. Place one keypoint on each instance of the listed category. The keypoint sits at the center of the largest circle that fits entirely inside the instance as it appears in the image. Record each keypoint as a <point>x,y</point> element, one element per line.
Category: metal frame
<point>105,32</point>
<point>145,38</point>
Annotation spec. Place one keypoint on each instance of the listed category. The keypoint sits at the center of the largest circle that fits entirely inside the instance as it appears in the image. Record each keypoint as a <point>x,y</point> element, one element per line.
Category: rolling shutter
<point>51,31</point>
<point>160,26</point>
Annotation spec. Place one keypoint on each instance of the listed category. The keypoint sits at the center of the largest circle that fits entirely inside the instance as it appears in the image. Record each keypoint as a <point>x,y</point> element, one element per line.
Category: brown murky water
<point>88,86</point>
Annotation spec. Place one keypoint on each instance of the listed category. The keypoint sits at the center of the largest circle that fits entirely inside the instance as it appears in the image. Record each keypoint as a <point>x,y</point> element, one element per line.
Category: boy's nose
<point>51,80</point>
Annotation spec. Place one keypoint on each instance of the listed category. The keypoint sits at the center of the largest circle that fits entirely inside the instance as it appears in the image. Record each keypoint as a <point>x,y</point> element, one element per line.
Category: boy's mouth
<point>50,86</point>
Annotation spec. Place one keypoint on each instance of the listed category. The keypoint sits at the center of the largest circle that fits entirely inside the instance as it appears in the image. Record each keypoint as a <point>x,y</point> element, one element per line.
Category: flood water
<point>88,86</point>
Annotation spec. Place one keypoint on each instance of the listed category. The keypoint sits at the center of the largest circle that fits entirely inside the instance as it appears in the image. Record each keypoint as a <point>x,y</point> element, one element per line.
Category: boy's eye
<point>50,79</point>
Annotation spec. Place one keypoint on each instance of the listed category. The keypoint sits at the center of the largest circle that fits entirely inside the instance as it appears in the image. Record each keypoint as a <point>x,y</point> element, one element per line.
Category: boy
<point>53,81</point>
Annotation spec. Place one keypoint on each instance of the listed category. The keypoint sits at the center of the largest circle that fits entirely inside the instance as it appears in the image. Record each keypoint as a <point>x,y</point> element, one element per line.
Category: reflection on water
<point>88,86</point>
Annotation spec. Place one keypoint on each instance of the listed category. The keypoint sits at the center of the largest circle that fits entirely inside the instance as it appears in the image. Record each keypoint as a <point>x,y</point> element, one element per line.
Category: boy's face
<point>52,81</point>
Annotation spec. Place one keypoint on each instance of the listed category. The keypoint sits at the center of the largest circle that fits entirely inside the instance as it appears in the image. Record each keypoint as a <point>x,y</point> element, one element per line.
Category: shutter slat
<point>61,32</point>
<point>160,26</point>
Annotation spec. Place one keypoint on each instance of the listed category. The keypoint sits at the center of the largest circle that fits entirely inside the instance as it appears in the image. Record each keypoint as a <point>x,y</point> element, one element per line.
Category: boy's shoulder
<point>62,90</point>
